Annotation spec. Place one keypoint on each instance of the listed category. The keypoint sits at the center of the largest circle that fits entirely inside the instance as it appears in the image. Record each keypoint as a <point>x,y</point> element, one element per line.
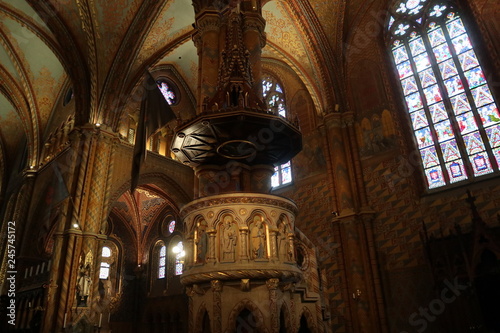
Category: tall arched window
<point>104,269</point>
<point>275,100</point>
<point>179,253</point>
<point>162,260</point>
<point>454,116</point>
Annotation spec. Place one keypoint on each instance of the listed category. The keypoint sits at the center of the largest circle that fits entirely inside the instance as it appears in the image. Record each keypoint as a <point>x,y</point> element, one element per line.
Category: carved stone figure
<point>228,239</point>
<point>282,242</point>
<point>83,285</point>
<point>201,242</point>
<point>258,238</point>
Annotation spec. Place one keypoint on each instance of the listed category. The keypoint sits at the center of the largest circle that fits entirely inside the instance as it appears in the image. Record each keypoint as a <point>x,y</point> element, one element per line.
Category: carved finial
<point>235,78</point>
<point>216,285</point>
<point>245,285</point>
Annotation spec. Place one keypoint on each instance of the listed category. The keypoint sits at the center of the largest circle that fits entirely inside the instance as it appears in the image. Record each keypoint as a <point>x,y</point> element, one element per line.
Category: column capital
<point>216,285</point>
<point>333,119</point>
<point>272,284</point>
<point>348,118</point>
<point>208,20</point>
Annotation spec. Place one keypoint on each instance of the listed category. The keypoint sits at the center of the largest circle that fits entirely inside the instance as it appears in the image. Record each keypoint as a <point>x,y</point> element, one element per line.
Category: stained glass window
<point>168,91</point>
<point>104,268</point>
<point>171,226</point>
<point>282,175</point>
<point>104,271</point>
<point>179,252</point>
<point>162,259</point>
<point>453,114</point>
<point>273,95</point>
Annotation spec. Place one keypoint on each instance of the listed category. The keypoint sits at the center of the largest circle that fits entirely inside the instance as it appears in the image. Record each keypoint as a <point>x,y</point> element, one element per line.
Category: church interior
<point>326,166</point>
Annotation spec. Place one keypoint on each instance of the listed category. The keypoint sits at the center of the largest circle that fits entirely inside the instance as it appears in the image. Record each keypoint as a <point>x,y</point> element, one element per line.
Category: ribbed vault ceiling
<point>101,48</point>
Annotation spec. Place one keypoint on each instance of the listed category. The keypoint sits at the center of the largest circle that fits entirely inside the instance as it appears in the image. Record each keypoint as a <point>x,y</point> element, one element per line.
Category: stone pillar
<point>291,248</point>
<point>350,133</point>
<point>77,245</point>
<point>254,40</point>
<point>272,285</point>
<point>190,293</point>
<point>341,167</point>
<point>15,218</point>
<point>352,218</point>
<point>207,41</point>
<point>56,298</point>
<point>244,244</point>
<point>374,285</point>
<point>216,286</point>
<point>273,251</point>
<point>211,245</point>
<point>22,206</point>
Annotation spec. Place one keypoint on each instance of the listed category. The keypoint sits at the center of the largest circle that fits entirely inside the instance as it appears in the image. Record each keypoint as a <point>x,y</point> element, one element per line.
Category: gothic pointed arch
<point>203,322</point>
<point>306,321</point>
<point>253,317</point>
<point>285,319</point>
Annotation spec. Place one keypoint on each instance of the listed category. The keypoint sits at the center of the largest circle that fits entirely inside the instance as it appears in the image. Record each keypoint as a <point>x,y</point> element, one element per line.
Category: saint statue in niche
<point>258,238</point>
<point>201,241</point>
<point>282,242</point>
<point>229,237</point>
<point>83,285</point>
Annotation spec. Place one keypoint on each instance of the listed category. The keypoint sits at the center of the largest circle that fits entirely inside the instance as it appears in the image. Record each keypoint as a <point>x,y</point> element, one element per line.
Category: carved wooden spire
<point>235,79</point>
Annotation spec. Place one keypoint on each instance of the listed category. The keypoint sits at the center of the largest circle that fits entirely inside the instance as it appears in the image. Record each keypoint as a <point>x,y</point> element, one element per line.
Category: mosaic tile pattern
<point>400,214</point>
<point>313,197</point>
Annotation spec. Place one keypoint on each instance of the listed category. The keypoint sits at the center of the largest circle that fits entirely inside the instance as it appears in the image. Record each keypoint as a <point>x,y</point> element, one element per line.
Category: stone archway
<point>246,314</point>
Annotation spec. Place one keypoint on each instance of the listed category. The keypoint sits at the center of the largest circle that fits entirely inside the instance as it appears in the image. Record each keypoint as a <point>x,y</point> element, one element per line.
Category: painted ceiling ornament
<point>147,193</point>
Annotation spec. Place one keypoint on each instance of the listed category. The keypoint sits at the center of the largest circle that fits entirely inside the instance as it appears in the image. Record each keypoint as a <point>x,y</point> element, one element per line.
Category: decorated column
<point>233,145</point>
<point>353,219</point>
<point>217,306</point>
<point>74,273</point>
